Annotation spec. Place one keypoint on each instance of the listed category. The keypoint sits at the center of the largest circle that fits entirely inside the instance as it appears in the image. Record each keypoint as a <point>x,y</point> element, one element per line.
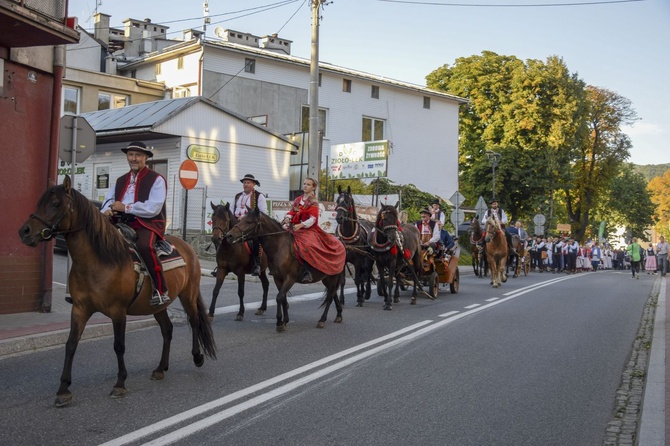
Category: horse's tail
<point>205,335</point>
<point>341,281</point>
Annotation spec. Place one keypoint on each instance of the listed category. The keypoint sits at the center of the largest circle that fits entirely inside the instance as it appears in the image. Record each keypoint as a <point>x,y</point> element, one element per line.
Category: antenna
<point>206,19</point>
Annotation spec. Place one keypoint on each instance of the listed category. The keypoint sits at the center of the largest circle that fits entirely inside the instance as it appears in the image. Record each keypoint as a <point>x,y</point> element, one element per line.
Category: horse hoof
<point>359,304</point>
<point>157,375</point>
<point>338,320</point>
<point>210,318</point>
<point>198,360</point>
<point>118,392</point>
<point>396,300</point>
<point>63,400</point>
<point>239,317</point>
<point>321,324</point>
<point>495,285</point>
<point>281,328</point>
<point>260,312</point>
<point>504,279</point>
<point>413,301</point>
<point>388,307</point>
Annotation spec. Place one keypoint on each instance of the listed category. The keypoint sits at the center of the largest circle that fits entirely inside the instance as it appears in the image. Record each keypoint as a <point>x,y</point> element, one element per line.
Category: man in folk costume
<point>436,212</point>
<point>429,231</point>
<point>139,199</point>
<point>315,246</point>
<point>502,218</point>
<point>246,200</point>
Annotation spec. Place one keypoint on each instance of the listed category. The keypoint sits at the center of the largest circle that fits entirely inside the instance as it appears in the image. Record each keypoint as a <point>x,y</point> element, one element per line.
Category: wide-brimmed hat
<point>435,201</point>
<point>250,178</point>
<point>425,211</point>
<point>140,147</point>
<point>493,200</point>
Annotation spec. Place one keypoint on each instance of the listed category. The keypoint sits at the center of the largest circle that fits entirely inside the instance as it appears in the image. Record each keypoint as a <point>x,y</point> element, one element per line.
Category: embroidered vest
<point>144,182</point>
<point>254,200</point>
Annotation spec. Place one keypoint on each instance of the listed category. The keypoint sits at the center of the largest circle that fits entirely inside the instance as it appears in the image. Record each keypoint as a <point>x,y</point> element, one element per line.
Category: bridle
<point>50,231</point>
<point>347,208</point>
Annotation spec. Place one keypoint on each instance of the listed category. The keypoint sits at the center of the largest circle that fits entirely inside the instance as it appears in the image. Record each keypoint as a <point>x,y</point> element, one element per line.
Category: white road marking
<point>470,307</point>
<point>449,313</point>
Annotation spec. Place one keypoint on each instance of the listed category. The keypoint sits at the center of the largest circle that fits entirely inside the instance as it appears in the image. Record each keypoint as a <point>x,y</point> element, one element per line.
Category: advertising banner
<point>358,160</point>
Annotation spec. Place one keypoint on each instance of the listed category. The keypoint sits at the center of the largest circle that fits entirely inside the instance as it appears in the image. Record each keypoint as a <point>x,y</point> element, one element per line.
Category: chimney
<point>101,30</point>
<point>275,43</point>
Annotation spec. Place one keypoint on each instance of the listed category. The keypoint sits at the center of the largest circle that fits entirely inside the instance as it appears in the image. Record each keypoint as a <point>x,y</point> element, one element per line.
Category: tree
<point>659,188</point>
<point>600,155</point>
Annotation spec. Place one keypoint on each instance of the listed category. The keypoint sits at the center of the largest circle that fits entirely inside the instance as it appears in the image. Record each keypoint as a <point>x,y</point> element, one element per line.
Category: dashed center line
<point>450,313</point>
<point>470,307</point>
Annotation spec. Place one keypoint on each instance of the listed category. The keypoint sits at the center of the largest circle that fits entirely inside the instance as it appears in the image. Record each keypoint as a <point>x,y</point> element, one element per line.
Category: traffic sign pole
<point>188,177</point>
<point>73,158</point>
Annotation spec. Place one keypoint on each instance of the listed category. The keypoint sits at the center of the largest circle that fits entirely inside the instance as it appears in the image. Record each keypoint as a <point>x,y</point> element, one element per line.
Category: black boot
<point>306,277</point>
<point>256,270</point>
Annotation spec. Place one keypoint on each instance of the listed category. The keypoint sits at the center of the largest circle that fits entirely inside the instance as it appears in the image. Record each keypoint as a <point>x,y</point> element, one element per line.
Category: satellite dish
<point>219,32</point>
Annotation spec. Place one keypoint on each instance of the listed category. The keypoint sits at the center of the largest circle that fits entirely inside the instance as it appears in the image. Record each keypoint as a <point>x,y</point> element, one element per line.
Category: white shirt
<point>424,228</point>
<point>501,214</point>
<point>143,209</point>
<point>245,200</point>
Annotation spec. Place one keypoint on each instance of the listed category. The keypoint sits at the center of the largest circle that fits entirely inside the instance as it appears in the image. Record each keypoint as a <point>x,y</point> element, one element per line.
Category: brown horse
<point>103,279</point>
<point>284,266</point>
<point>477,248</point>
<point>235,258</point>
<point>496,250</point>
<point>514,260</point>
<point>354,234</point>
<point>395,245</point>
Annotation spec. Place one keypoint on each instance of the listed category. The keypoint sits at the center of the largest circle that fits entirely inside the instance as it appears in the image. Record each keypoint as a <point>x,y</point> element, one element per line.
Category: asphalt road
<point>537,361</point>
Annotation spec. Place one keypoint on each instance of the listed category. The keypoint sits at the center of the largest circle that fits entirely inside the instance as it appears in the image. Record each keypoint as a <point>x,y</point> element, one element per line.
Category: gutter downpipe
<point>52,172</point>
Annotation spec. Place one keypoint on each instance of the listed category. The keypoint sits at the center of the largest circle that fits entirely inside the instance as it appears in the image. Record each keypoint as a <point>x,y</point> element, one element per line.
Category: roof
<point>145,117</point>
<point>262,52</point>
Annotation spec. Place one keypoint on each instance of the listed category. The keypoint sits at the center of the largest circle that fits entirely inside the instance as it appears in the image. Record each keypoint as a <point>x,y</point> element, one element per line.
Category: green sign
<point>203,154</point>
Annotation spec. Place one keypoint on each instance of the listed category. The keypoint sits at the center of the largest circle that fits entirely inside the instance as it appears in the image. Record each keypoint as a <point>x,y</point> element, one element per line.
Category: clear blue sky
<point>623,47</point>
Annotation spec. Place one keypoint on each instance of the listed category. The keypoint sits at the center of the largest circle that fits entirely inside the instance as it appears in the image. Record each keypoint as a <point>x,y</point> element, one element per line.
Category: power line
<point>511,5</point>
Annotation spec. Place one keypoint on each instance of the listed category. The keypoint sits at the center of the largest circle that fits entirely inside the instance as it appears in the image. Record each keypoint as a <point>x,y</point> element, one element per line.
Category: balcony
<point>27,23</point>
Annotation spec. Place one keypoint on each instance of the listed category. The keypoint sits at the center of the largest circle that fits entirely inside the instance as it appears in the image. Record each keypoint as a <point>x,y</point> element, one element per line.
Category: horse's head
<point>346,211</point>
<point>387,220</point>
<point>53,215</point>
<point>247,227</point>
<point>223,221</point>
<point>492,227</point>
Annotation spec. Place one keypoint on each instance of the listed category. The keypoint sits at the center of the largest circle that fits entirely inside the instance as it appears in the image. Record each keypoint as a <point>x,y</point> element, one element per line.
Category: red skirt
<point>320,250</point>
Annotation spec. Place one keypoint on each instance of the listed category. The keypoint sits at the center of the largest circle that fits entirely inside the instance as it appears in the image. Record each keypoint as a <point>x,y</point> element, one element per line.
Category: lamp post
<point>494,158</point>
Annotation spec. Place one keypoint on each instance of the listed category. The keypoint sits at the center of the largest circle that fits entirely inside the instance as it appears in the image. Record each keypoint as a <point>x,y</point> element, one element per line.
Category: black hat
<point>425,211</point>
<point>139,146</point>
<point>435,201</point>
<point>251,178</point>
<point>493,200</point>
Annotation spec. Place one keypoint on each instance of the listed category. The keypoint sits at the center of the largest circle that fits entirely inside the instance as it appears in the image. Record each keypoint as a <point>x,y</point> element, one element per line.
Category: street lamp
<point>494,158</point>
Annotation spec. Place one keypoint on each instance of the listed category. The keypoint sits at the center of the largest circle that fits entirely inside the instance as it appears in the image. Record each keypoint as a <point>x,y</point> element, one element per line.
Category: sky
<point>612,44</point>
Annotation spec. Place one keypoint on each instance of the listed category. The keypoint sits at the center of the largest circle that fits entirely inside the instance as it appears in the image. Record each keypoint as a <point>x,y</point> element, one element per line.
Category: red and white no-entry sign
<point>188,174</point>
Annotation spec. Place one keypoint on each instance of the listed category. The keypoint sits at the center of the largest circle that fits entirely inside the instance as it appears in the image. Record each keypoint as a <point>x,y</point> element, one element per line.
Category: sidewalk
<point>23,332</point>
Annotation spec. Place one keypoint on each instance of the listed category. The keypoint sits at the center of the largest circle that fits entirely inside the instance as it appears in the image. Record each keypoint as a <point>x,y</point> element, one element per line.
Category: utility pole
<point>314,154</point>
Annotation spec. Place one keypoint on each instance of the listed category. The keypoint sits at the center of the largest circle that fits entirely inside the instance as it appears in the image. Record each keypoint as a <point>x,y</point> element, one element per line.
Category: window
<point>373,129</point>
<point>71,101</point>
<point>346,85</point>
<point>322,119</point>
<point>180,63</point>
<point>250,65</point>
<point>108,101</point>
<point>426,102</point>
<point>158,69</point>
<point>375,92</point>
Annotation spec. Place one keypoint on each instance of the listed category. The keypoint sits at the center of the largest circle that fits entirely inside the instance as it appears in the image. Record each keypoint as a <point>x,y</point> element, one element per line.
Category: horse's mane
<point>231,216</point>
<point>105,239</point>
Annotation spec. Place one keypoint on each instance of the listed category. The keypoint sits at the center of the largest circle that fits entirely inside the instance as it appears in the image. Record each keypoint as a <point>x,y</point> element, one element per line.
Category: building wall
<point>25,117</point>
<point>86,55</point>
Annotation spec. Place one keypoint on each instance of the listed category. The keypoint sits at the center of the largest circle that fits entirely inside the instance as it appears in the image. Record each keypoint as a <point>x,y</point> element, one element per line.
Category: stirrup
<point>256,270</point>
<point>159,299</point>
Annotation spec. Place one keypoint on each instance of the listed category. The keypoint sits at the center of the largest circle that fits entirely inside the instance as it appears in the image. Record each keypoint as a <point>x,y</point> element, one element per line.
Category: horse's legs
<point>119,325</point>
<point>220,276</point>
<point>166,331</point>
<point>359,269</point>
<point>240,294</point>
<point>332,284</point>
<point>265,283</point>
<point>282,302</point>
<point>78,321</point>
<point>367,277</point>
<point>386,290</point>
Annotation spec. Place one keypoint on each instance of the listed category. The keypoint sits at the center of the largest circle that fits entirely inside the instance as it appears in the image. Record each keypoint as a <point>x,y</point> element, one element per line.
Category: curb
<point>58,338</point>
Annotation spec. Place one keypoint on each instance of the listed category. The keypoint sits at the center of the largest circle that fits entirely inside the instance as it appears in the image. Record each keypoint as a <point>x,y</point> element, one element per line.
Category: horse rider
<point>327,252</point>
<point>138,199</point>
<point>502,218</point>
<point>436,213</point>
<point>250,198</point>
<point>429,231</point>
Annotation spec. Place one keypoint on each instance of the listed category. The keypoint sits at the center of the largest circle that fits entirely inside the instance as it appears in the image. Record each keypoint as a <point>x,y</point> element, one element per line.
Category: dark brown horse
<point>284,266</point>
<point>354,234</point>
<point>103,279</point>
<point>477,248</point>
<point>233,258</point>
<point>514,260</point>
<point>496,250</point>
<point>395,245</point>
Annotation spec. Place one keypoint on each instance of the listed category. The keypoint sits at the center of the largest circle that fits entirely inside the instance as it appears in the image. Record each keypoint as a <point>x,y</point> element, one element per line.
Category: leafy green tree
<point>600,155</point>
